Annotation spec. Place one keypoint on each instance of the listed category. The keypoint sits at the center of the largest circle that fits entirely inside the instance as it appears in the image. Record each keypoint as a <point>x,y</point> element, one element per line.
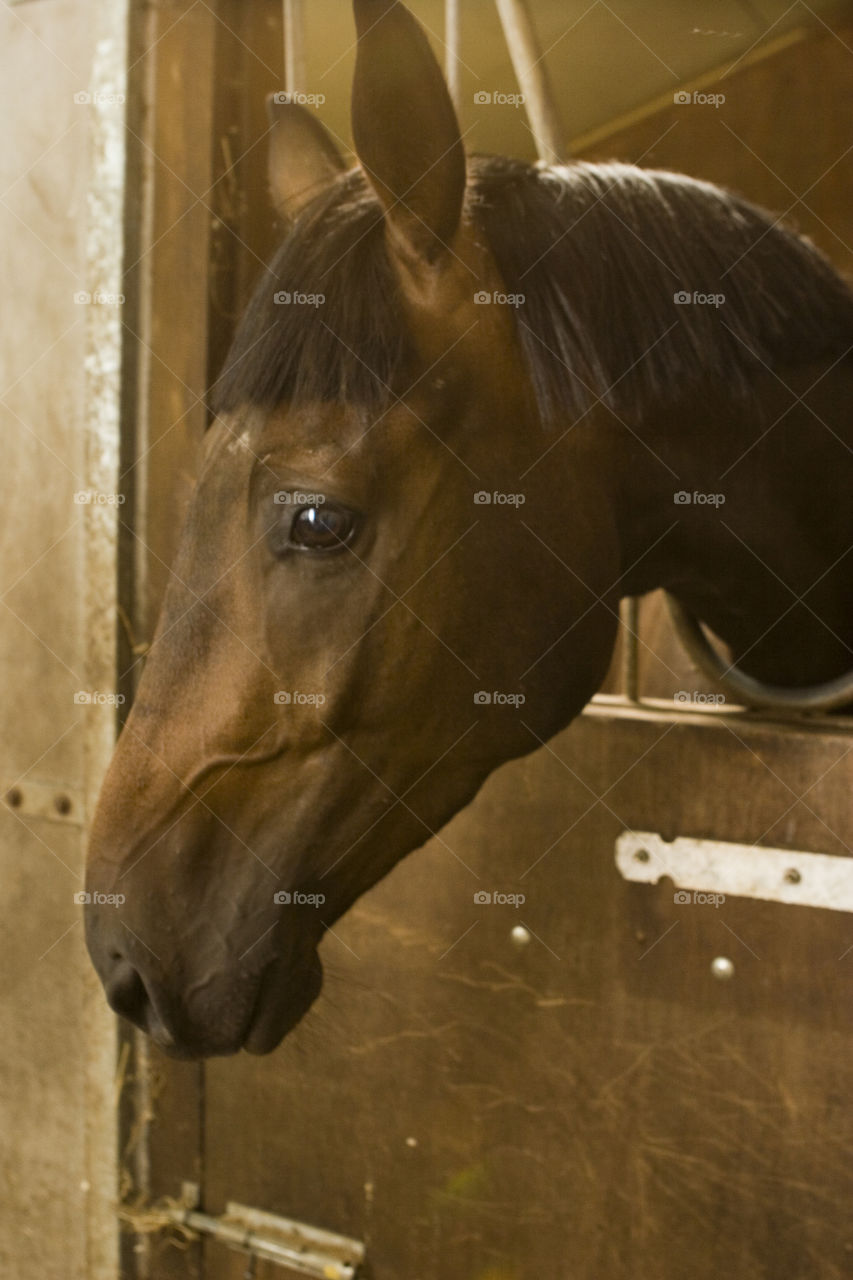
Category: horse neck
<point>763,549</point>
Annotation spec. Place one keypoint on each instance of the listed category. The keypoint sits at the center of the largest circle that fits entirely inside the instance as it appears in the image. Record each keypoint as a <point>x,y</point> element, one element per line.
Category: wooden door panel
<point>471,1108</point>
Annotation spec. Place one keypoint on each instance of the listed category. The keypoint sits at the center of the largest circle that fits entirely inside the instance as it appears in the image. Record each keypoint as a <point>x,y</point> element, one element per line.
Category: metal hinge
<point>305,1250</point>
<point>715,867</point>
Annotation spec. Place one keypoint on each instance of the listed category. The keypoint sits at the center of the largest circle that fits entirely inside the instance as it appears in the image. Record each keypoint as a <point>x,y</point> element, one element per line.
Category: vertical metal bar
<point>629,613</point>
<point>531,73</point>
<point>452,64</point>
<point>294,47</point>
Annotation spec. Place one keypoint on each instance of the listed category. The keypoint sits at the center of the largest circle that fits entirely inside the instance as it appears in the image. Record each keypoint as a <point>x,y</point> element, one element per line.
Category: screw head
<point>519,936</point>
<point>722,968</point>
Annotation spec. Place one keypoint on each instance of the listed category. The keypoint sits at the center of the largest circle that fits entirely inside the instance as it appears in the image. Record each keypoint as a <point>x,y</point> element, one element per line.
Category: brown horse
<point>470,406</point>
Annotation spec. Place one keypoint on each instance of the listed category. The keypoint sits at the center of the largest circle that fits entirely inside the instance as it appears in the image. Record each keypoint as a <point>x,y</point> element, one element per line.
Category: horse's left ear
<point>405,130</point>
<point>303,159</point>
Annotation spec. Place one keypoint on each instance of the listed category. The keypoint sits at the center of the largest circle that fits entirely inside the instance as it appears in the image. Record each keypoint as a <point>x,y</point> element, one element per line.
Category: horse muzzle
<point>214,1010</point>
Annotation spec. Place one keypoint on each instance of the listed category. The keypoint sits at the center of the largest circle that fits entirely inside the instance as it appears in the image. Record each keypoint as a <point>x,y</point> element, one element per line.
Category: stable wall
<point>61,183</point>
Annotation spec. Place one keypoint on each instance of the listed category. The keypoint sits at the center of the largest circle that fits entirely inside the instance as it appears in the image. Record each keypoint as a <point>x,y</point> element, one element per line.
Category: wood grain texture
<point>165,374</point>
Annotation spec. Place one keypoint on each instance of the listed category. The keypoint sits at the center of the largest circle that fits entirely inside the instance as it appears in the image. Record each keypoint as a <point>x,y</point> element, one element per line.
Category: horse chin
<point>283,1000</point>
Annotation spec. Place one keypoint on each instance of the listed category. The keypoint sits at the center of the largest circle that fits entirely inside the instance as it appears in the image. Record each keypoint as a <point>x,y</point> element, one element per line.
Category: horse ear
<point>405,130</point>
<point>303,159</point>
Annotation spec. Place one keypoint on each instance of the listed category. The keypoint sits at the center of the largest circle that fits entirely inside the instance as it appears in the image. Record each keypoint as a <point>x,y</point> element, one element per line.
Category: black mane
<point>598,252</point>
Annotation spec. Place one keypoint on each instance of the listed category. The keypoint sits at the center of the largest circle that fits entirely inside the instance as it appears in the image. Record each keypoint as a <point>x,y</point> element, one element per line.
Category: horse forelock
<point>629,287</point>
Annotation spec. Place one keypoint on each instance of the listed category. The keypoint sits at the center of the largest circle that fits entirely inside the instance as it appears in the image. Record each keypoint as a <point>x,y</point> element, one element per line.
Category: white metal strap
<point>702,870</point>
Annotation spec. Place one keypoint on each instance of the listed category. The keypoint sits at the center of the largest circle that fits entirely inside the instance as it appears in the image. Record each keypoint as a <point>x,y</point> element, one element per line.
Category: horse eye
<point>326,528</point>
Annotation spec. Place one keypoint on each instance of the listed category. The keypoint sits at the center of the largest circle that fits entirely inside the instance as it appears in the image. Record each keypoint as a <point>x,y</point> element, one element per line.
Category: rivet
<point>62,804</point>
<point>641,855</point>
<point>793,876</point>
<point>15,798</point>
<point>519,936</point>
<point>722,968</point>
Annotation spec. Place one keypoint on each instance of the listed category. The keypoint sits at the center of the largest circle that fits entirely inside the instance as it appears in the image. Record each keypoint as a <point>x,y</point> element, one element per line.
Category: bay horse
<point>461,418</point>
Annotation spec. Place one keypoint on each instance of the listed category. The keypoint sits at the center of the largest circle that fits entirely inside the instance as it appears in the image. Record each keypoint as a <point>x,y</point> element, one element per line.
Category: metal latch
<point>307,1251</point>
<point>738,870</point>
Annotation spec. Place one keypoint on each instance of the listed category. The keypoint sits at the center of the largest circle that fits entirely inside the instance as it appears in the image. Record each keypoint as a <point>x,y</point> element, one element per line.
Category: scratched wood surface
<point>596,1105</point>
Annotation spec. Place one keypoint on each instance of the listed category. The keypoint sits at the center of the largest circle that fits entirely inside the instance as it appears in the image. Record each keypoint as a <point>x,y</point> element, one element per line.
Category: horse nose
<point>128,995</point>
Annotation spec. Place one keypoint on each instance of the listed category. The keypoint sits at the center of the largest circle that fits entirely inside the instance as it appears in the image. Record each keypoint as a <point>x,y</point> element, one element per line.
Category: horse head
<point>361,622</point>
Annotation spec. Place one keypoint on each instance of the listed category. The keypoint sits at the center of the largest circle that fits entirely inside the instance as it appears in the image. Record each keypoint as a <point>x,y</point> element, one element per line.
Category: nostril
<point>127,994</point>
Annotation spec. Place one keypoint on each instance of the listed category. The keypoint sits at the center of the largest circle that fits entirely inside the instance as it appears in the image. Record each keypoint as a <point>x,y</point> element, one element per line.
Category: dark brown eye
<point>326,528</point>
